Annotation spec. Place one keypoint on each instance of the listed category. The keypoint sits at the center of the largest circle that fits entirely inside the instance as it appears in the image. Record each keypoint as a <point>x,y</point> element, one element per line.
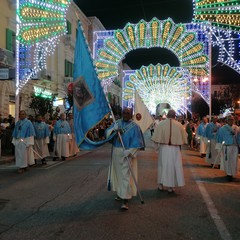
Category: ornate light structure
<point>158,84</point>
<point>178,38</point>
<point>221,19</point>
<point>189,43</point>
<point>224,14</point>
<point>40,23</point>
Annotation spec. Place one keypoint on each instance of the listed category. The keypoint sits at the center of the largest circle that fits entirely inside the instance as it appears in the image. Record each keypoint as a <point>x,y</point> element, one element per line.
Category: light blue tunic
<point>227,135</point>
<point>62,127</point>
<point>201,130</point>
<point>23,129</point>
<point>211,131</point>
<point>132,135</point>
<point>41,130</point>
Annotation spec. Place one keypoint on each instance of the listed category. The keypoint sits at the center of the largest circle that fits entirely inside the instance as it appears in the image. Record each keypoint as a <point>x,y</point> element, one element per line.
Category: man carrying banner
<point>119,173</point>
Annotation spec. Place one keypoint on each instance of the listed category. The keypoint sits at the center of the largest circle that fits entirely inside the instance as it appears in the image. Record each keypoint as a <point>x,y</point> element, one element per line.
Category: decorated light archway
<point>40,24</point>
<point>189,42</point>
<point>158,84</point>
<point>223,20</point>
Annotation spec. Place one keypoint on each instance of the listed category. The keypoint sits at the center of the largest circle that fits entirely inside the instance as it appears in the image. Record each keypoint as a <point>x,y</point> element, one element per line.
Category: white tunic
<point>41,147</point>
<point>24,151</point>
<point>62,145</point>
<point>212,155</point>
<point>170,170</point>
<point>120,175</point>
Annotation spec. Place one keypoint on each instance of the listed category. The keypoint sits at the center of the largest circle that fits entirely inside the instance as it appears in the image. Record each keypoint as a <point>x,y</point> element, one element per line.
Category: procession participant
<point>120,174</point>
<point>228,139</point>
<point>168,138</point>
<point>73,148</point>
<point>211,151</point>
<point>23,140</point>
<point>41,139</point>
<point>202,135</point>
<point>62,137</point>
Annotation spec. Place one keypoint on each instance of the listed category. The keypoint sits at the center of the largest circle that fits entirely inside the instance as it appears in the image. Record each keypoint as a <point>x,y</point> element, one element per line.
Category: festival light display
<point>40,23</point>
<point>178,38</point>
<point>158,84</point>
<point>223,14</point>
<point>189,43</point>
<point>221,18</point>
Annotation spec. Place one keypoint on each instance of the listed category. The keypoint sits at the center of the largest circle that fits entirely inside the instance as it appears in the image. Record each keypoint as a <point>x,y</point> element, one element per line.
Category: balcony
<point>6,58</point>
<point>69,41</point>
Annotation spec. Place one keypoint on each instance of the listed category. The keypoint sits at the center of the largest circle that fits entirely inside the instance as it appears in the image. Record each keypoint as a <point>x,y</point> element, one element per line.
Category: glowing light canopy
<point>158,84</point>
<point>181,39</point>
<point>40,23</point>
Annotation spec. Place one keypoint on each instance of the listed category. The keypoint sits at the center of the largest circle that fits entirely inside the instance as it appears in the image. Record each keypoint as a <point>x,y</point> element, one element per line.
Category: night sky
<point>116,14</point>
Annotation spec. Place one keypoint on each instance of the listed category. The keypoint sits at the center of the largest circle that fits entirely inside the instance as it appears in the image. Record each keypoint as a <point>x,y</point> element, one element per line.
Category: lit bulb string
<point>28,19</point>
<point>123,44</point>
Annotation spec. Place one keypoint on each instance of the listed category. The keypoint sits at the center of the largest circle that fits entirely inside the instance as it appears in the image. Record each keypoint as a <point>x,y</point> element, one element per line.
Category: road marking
<point>218,183</point>
<point>221,227</point>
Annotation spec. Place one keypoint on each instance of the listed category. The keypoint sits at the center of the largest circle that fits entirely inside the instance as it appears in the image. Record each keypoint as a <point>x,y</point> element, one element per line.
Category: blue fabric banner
<point>90,104</point>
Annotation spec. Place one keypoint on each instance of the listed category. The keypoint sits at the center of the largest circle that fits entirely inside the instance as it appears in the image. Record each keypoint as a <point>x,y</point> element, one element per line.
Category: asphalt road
<point>70,200</point>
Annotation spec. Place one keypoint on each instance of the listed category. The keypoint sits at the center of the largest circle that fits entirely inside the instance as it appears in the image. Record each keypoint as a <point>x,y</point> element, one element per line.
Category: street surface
<point>69,200</point>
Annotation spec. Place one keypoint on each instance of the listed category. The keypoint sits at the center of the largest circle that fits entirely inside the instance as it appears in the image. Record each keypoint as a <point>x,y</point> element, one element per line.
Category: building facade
<point>59,72</point>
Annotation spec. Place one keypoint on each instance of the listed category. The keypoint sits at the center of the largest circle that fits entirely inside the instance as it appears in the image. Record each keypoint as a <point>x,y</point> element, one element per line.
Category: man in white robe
<point>62,137</point>
<point>201,133</point>
<point>73,148</point>
<point>211,152</point>
<point>120,176</point>
<point>23,140</point>
<point>168,138</point>
<point>41,139</point>
<point>228,141</point>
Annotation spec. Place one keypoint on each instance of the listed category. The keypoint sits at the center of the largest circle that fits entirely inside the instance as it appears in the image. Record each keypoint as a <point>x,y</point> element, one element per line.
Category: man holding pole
<point>23,140</point>
<point>123,168</point>
<point>228,140</point>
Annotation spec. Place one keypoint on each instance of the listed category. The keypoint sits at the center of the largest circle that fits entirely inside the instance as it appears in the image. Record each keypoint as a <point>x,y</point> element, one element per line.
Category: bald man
<point>168,138</point>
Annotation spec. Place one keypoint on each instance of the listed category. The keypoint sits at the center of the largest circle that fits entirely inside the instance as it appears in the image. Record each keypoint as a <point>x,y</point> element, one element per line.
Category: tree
<point>42,105</point>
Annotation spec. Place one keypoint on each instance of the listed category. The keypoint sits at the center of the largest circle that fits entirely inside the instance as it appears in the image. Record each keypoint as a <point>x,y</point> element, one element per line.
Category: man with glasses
<point>120,174</point>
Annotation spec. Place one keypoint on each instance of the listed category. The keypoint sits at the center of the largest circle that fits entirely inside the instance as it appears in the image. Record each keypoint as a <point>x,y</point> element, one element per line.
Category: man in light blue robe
<point>41,139</point>
<point>23,140</point>
<point>202,135</point>
<point>62,136</point>
<point>211,152</point>
<point>120,175</point>
<point>228,140</point>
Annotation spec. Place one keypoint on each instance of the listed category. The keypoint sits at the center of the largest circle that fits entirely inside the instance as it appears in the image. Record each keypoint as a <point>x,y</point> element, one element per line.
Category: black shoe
<point>55,159</point>
<point>229,178</point>
<point>44,161</point>
<point>63,158</point>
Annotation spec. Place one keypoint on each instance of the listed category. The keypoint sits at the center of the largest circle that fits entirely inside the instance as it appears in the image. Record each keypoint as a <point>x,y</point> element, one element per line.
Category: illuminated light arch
<point>222,21</point>
<point>39,27</point>
<point>223,14</point>
<point>181,39</point>
<point>158,84</point>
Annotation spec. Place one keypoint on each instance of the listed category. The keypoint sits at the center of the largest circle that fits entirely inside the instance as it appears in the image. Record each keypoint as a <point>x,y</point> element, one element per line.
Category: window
<point>10,40</point>
<point>69,28</point>
<point>68,69</point>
